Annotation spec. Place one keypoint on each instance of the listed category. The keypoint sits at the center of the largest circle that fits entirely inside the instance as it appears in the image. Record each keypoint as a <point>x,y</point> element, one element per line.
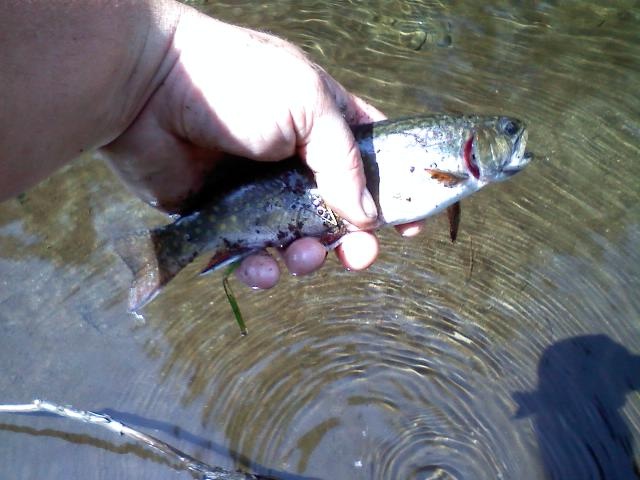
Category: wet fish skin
<point>415,167</point>
<point>460,153</point>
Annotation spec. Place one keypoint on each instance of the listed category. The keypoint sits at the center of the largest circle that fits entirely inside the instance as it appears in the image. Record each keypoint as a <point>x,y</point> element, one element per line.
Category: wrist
<point>146,64</point>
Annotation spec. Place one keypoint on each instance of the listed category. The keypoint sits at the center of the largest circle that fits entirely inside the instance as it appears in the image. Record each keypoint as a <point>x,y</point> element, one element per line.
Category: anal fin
<point>226,257</point>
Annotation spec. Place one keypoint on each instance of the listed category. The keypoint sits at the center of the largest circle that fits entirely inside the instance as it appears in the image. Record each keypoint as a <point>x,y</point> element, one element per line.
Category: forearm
<point>73,76</point>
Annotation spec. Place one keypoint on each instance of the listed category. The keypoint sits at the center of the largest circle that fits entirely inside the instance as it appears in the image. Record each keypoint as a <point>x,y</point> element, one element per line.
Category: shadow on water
<point>83,439</point>
<point>140,422</point>
<point>582,385</point>
<point>200,442</point>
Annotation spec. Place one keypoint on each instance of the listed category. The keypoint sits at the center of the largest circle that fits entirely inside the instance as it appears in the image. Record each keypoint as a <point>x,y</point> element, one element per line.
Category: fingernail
<point>368,205</point>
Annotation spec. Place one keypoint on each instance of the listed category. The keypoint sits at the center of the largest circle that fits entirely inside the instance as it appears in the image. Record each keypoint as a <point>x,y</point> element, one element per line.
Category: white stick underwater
<point>205,471</point>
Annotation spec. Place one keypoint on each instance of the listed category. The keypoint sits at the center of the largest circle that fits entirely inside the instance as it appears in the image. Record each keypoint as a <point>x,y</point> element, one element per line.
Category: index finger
<point>331,151</point>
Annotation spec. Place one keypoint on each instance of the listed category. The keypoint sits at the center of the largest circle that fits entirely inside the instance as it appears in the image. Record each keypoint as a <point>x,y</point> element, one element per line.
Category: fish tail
<point>142,252</point>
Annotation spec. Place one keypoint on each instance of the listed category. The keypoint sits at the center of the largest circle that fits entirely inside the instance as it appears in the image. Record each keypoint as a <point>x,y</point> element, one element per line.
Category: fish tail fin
<point>141,252</point>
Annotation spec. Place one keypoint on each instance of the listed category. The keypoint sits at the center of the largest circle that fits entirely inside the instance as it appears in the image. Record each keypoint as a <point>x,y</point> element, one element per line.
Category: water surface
<point>510,354</point>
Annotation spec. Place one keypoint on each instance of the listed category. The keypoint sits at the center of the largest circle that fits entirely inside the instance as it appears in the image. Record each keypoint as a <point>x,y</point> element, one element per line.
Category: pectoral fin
<point>453,213</point>
<point>448,179</point>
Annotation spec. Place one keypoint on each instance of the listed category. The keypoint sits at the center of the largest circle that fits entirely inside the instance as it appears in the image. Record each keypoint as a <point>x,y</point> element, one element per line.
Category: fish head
<point>495,150</point>
<point>426,164</point>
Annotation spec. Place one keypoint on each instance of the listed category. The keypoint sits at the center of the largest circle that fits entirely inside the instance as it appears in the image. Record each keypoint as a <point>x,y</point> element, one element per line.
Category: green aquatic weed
<point>232,298</point>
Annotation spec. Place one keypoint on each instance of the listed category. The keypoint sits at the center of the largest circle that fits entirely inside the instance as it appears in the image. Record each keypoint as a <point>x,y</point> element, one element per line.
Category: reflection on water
<point>510,354</point>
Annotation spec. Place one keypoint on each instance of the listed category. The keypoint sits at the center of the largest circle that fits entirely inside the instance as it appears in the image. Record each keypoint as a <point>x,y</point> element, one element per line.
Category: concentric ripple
<point>390,386</point>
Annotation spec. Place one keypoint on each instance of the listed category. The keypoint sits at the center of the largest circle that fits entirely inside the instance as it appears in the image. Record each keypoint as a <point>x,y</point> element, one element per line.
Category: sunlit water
<point>513,353</point>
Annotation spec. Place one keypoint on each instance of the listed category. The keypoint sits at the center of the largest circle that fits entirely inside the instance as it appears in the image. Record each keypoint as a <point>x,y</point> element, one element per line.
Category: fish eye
<point>510,127</point>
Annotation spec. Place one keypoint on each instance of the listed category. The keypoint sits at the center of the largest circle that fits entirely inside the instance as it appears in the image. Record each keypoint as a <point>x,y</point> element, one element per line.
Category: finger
<point>410,229</point>
<point>304,256</point>
<point>259,271</point>
<point>358,250</point>
<point>332,154</point>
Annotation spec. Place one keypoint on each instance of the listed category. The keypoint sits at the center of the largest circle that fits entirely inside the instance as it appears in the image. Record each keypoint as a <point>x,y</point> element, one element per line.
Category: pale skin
<point>165,92</point>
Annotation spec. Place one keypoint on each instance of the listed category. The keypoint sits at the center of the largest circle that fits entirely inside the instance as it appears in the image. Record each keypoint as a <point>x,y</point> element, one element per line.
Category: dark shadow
<point>582,385</point>
<point>83,439</point>
<point>149,426</point>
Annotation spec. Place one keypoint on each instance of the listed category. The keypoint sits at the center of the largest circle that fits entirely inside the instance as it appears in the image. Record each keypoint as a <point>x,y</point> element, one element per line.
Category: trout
<point>415,167</point>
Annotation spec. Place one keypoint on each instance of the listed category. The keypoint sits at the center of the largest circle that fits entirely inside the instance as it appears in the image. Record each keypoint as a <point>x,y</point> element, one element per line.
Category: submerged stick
<point>205,471</point>
<point>471,258</point>
<point>232,298</point>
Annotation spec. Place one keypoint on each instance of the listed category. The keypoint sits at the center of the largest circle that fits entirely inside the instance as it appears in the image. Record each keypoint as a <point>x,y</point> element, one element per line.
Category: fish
<point>415,167</point>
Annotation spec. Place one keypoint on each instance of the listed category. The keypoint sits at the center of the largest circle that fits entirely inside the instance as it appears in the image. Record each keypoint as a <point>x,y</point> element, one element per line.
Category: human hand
<point>233,91</point>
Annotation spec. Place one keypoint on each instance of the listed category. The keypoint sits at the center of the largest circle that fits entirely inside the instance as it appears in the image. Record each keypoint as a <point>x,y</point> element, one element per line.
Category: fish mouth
<point>513,168</point>
<point>520,158</point>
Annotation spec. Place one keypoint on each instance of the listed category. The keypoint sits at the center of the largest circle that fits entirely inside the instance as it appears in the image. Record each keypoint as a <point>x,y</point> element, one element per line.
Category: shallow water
<point>514,353</point>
